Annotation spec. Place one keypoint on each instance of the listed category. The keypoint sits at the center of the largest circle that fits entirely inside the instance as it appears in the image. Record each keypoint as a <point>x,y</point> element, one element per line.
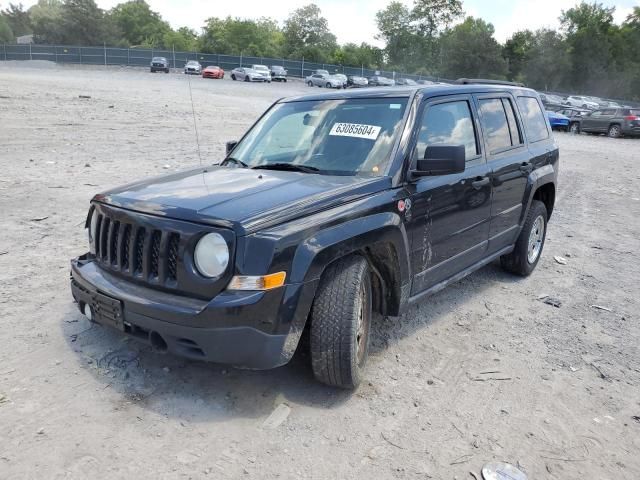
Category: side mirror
<point>441,160</point>
<point>231,145</point>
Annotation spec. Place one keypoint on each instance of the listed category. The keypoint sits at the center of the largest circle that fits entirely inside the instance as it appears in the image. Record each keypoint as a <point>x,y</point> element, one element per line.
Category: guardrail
<point>141,57</point>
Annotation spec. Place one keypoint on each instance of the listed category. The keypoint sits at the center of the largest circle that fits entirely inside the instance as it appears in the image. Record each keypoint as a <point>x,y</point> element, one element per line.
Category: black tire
<point>285,80</point>
<point>246,79</point>
<point>310,83</point>
<point>233,77</point>
<point>328,85</point>
<point>518,262</point>
<point>614,131</point>
<point>339,348</point>
<point>166,71</point>
<point>574,127</point>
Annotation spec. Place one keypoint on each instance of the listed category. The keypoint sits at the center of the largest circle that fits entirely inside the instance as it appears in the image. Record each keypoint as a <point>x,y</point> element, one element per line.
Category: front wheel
<point>246,79</point>
<point>528,248</point>
<point>614,131</point>
<point>574,127</point>
<point>328,85</point>
<point>340,323</point>
<point>310,83</point>
<point>233,77</point>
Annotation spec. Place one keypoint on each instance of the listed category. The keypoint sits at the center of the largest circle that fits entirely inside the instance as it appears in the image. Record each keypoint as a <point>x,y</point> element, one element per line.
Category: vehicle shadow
<point>203,392</point>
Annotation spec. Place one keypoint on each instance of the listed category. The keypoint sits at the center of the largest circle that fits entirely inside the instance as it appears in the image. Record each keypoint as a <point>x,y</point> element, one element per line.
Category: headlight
<point>211,255</point>
<point>93,225</point>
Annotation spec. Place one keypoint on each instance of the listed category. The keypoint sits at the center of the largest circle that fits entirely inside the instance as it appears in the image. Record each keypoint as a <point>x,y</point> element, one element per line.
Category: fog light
<point>261,282</point>
<point>87,312</point>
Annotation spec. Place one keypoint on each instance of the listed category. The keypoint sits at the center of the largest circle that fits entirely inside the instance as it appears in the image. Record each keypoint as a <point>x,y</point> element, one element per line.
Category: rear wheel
<point>328,85</point>
<point>614,131</point>
<point>528,248</point>
<point>340,323</point>
<point>574,127</point>
<point>310,83</point>
<point>166,71</point>
<point>233,77</point>
<point>246,79</point>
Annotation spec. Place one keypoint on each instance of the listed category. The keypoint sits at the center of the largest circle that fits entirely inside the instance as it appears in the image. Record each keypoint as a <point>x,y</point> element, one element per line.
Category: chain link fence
<point>141,57</point>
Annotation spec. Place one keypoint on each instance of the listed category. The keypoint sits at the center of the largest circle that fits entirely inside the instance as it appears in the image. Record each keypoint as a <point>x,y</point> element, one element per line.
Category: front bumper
<point>257,330</point>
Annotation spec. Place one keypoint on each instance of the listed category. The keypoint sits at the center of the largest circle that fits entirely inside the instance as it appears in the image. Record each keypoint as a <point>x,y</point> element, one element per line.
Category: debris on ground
<point>600,307</point>
<point>84,96</point>
<point>277,417</point>
<point>554,302</point>
<point>560,260</point>
<point>3,398</point>
<point>39,219</point>
<point>502,471</point>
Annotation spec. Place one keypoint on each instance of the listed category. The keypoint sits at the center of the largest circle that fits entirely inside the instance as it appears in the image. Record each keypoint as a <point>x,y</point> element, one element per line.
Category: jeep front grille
<point>135,251</point>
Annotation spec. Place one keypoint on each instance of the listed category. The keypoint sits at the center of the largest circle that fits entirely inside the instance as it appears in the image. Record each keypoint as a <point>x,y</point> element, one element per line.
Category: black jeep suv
<point>330,207</point>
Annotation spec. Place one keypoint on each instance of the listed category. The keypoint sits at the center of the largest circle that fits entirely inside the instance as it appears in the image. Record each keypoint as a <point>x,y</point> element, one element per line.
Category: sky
<point>354,20</point>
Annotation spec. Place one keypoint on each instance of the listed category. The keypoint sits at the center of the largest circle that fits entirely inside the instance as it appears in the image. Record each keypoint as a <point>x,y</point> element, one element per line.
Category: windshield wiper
<point>235,161</point>
<point>287,166</point>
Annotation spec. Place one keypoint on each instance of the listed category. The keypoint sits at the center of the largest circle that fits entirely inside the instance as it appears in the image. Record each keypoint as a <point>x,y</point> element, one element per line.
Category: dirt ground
<point>482,371</point>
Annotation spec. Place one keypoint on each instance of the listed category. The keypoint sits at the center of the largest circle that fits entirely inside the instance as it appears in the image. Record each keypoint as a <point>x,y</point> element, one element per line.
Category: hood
<point>243,199</point>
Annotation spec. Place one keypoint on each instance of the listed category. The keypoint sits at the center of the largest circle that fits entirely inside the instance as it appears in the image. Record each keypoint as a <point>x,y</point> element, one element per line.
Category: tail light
<point>631,118</point>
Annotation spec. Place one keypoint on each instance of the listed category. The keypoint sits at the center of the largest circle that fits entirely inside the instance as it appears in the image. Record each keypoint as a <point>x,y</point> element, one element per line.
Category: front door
<point>448,221</point>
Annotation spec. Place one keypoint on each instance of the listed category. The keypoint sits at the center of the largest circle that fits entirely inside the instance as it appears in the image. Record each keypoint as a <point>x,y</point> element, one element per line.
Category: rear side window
<point>516,136</point>
<point>535,123</point>
<point>494,124</point>
<point>447,124</point>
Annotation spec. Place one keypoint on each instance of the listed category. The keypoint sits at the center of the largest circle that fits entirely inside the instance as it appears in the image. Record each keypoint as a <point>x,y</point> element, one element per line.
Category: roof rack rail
<point>468,81</point>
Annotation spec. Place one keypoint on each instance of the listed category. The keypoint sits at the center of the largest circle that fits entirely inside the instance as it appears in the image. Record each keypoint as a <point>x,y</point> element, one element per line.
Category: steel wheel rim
<point>363,325</point>
<point>536,236</point>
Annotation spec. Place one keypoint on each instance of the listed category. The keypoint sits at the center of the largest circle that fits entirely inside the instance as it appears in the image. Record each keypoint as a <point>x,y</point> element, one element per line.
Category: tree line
<point>588,54</point>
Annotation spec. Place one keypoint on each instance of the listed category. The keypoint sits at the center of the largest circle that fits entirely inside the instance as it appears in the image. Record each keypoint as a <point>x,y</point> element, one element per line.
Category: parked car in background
<point>357,81</point>
<point>320,71</point>
<point>423,81</point>
<point>578,101</point>
<point>558,121</point>
<point>278,73</point>
<point>213,71</point>
<point>159,64</point>
<point>406,81</point>
<point>550,100</point>
<point>342,77</point>
<point>248,75</point>
<point>322,80</point>
<point>380,81</point>
<point>192,67</point>
<point>262,70</point>
<point>615,122</point>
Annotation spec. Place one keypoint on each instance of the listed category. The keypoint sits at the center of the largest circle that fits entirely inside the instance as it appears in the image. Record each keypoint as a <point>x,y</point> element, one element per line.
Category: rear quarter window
<point>535,122</point>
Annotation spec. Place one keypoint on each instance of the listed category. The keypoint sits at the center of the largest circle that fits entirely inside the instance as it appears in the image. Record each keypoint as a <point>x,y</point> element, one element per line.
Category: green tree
<point>46,20</point>
<point>6,35</point>
<point>402,47</point>
<point>18,19</point>
<point>82,23</point>
<point>184,39</point>
<point>547,61</point>
<point>358,55</point>
<point>306,34</point>
<point>139,24</point>
<point>590,31</point>
<point>469,50</point>
<point>516,51</point>
<point>260,38</point>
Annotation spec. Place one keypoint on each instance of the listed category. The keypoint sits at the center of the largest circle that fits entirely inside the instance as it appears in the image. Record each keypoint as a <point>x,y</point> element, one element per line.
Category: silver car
<point>248,75</point>
<point>193,67</point>
<point>322,80</point>
<point>263,70</point>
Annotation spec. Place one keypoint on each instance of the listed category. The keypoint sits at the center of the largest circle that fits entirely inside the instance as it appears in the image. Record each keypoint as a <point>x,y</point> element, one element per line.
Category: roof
<point>407,91</point>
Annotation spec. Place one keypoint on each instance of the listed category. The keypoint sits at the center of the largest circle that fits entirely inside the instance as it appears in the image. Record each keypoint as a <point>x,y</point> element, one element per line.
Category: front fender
<point>316,252</point>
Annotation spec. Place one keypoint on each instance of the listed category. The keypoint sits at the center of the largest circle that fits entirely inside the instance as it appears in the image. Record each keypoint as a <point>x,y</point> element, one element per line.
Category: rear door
<point>448,220</point>
<point>508,159</point>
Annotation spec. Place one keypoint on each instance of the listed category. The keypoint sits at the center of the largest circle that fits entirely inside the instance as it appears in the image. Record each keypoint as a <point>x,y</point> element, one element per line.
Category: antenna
<point>195,124</point>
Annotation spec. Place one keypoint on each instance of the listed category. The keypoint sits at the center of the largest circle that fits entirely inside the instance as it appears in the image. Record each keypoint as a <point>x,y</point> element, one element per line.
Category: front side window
<point>448,123</point>
<point>332,137</point>
<point>535,122</point>
<point>494,124</point>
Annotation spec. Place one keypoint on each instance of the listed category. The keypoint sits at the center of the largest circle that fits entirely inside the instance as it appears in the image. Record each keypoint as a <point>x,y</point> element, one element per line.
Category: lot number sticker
<point>355,130</point>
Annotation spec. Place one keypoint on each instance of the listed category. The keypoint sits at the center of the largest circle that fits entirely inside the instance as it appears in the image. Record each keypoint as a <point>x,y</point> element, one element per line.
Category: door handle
<point>480,182</point>
<point>526,168</point>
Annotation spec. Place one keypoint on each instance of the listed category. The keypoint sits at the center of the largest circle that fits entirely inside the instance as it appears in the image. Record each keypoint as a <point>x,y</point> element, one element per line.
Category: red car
<point>213,71</point>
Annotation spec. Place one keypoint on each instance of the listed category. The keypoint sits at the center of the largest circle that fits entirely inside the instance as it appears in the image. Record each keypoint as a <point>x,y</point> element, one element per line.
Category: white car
<point>582,102</point>
<point>263,70</point>
<point>322,80</point>
<point>192,67</point>
<point>248,75</point>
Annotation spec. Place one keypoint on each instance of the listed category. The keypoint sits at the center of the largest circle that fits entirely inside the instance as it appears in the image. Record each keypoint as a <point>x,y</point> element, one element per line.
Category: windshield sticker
<point>357,130</point>
<point>394,106</point>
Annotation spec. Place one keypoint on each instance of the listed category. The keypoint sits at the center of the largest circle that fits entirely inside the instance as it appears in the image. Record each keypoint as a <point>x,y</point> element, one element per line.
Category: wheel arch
<point>546,193</point>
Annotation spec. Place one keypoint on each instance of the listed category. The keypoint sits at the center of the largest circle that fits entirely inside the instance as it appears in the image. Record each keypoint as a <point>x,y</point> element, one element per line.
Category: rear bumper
<point>257,330</point>
<point>631,130</point>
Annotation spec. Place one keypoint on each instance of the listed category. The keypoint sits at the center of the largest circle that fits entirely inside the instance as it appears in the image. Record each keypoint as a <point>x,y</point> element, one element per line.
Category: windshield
<point>260,67</point>
<point>337,137</point>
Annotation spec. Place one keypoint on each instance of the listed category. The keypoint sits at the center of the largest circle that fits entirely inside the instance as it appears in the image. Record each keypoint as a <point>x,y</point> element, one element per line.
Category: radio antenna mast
<point>195,124</point>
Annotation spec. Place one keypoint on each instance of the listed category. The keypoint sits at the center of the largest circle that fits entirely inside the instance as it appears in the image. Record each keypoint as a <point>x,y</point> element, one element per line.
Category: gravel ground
<point>482,371</point>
